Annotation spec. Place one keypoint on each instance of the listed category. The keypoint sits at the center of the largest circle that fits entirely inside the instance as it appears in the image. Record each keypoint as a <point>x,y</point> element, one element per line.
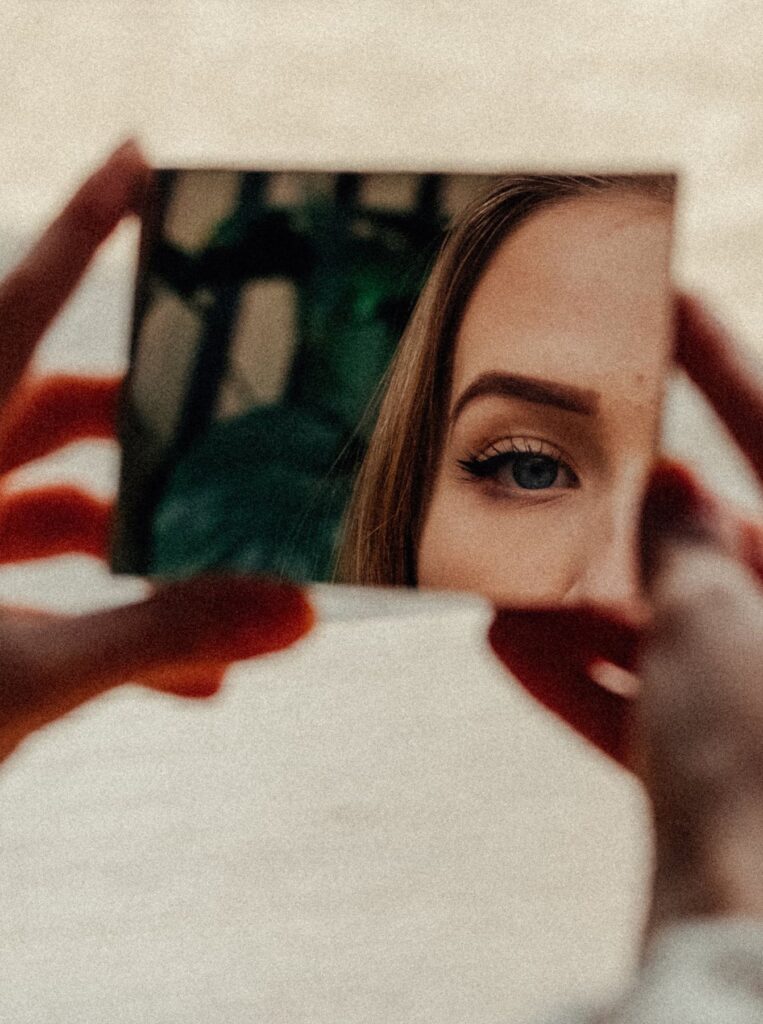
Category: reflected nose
<point>609,577</point>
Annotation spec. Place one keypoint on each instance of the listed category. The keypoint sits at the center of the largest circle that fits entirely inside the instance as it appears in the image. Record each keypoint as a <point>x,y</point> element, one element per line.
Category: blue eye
<point>521,470</point>
<point>534,472</point>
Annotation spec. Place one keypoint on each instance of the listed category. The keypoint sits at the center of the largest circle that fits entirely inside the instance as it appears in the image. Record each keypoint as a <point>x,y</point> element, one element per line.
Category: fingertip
<point>116,188</point>
<point>133,161</point>
<point>129,157</point>
<point>129,148</point>
<point>229,618</point>
<point>271,616</point>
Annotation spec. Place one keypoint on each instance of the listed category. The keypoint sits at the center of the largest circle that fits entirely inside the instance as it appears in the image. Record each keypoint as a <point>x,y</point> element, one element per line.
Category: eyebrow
<point>529,389</point>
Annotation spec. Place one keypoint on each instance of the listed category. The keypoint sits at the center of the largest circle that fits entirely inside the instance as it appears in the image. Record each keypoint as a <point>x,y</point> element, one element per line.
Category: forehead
<point>579,294</point>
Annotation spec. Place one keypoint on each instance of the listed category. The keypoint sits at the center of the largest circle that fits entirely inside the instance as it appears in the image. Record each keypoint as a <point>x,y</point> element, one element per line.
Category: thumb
<point>199,621</point>
<point>179,640</point>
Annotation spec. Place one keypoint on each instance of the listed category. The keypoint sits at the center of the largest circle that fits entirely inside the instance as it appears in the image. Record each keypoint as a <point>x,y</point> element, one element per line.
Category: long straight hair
<point>385,516</point>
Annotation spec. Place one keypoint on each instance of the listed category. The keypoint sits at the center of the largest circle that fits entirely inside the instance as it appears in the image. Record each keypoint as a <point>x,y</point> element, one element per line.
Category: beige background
<point>378,825</point>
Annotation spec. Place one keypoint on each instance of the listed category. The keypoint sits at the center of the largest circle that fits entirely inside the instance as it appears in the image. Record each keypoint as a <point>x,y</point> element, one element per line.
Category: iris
<point>534,472</point>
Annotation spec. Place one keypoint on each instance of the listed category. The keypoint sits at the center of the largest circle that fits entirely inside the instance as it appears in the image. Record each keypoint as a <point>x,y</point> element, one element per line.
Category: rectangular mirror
<point>440,380</point>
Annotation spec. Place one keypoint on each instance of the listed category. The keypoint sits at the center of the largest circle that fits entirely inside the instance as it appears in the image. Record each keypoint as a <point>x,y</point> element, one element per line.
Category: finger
<point>552,652</point>
<point>32,295</point>
<point>725,373</point>
<point>53,521</point>
<point>49,413</point>
<point>676,501</point>
<point>180,639</point>
<point>203,621</point>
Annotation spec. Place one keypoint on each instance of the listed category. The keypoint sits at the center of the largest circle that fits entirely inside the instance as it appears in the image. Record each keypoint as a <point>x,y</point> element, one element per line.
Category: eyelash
<point>484,467</point>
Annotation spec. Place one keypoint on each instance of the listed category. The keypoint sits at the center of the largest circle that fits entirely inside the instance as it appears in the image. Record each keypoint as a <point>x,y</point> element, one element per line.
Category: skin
<point>577,296</point>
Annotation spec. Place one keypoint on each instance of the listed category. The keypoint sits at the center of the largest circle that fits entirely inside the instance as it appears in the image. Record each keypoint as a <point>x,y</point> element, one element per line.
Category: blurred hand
<point>182,638</point>
<point>697,732</point>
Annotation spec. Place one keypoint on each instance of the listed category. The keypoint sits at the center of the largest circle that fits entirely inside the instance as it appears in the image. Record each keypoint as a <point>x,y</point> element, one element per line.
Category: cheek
<point>511,555</point>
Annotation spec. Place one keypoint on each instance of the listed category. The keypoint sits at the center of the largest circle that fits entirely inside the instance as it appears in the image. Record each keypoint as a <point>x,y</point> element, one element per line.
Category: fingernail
<point>675,507</point>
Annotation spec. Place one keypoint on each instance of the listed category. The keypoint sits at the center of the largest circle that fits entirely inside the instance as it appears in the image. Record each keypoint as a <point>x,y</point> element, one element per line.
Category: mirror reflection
<point>447,381</point>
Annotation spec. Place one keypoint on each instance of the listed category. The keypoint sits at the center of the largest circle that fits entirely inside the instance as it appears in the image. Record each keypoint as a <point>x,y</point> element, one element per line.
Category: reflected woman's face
<point>554,410</point>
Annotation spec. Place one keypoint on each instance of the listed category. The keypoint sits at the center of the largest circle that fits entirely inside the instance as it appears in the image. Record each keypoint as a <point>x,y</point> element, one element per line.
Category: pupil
<point>535,471</point>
